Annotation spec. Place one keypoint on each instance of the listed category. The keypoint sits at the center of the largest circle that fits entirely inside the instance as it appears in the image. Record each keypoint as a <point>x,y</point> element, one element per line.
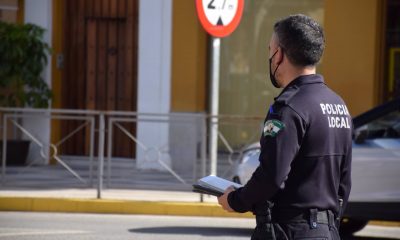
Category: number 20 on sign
<point>219,17</point>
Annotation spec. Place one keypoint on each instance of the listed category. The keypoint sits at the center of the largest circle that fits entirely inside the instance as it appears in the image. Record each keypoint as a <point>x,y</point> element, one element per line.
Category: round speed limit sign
<point>219,17</point>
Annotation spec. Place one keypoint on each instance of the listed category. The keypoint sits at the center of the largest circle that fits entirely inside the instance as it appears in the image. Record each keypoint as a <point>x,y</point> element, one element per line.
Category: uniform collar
<point>306,79</point>
<point>303,80</point>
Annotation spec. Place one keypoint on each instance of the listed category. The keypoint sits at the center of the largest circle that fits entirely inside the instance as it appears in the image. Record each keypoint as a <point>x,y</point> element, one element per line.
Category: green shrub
<point>23,56</point>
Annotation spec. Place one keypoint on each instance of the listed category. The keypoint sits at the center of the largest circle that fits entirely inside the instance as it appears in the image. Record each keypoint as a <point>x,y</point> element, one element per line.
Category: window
<point>245,88</point>
<point>8,10</point>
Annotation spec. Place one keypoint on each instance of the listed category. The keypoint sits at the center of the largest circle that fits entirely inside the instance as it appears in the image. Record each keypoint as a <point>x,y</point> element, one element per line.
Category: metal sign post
<point>219,18</point>
<point>214,104</point>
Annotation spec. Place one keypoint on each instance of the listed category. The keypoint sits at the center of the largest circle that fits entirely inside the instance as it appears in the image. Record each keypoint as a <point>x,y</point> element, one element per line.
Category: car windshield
<point>387,126</point>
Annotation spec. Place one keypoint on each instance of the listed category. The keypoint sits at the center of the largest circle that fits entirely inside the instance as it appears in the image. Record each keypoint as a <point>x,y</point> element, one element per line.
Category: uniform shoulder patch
<point>273,127</point>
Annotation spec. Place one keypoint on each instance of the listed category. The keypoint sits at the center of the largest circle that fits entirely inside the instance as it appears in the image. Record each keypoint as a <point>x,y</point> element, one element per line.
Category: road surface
<point>63,226</point>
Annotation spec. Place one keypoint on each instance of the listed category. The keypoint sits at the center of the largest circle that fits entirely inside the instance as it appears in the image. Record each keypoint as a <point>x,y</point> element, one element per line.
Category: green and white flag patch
<point>273,127</point>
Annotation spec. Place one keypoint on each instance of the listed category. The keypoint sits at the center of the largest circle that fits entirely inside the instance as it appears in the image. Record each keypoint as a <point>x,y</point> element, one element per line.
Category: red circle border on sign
<point>219,31</point>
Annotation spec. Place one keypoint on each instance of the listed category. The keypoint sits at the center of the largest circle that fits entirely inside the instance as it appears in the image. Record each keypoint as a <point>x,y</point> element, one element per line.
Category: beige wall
<point>189,43</point>
<point>351,64</point>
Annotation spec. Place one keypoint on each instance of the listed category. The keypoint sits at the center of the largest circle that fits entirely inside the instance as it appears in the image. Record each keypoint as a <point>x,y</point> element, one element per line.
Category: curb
<point>76,205</point>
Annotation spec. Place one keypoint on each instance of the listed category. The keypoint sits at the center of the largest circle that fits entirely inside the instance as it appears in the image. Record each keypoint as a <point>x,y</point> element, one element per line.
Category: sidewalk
<point>112,201</point>
<point>51,188</point>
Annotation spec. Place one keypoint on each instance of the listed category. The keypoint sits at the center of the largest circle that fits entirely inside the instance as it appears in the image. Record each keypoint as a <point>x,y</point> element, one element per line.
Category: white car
<point>375,193</point>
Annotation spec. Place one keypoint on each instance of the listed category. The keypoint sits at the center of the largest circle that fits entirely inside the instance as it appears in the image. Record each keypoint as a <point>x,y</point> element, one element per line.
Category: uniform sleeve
<point>345,179</point>
<point>277,154</point>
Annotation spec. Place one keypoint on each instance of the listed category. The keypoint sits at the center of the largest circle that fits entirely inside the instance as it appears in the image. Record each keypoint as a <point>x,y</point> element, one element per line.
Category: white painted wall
<point>39,12</point>
<point>154,78</point>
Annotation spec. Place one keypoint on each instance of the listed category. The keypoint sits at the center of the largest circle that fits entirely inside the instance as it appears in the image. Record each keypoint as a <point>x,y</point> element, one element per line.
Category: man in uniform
<point>303,179</point>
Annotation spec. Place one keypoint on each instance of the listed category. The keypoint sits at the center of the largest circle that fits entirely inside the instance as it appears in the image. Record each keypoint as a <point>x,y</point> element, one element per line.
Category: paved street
<point>60,226</point>
<point>97,226</point>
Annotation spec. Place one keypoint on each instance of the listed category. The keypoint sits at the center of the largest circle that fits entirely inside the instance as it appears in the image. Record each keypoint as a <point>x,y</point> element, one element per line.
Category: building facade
<point>152,56</point>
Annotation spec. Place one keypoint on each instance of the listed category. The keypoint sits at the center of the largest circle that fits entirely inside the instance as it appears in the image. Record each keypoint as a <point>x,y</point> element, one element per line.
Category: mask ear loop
<point>280,61</point>
<point>283,54</point>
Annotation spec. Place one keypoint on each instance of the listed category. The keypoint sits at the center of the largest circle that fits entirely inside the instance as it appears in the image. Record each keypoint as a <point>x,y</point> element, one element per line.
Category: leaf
<point>23,56</point>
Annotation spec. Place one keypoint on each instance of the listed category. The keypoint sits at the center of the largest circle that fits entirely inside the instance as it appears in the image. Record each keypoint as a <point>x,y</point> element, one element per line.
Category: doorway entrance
<point>100,71</point>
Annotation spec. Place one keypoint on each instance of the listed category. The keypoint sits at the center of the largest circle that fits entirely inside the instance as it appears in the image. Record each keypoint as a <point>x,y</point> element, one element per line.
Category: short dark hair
<point>301,38</point>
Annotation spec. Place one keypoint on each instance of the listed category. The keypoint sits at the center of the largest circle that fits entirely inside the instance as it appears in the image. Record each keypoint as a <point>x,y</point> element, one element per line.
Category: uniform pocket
<point>304,232</point>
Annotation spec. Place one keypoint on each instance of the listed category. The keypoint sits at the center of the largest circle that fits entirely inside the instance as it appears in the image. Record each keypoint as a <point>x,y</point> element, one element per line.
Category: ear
<point>281,55</point>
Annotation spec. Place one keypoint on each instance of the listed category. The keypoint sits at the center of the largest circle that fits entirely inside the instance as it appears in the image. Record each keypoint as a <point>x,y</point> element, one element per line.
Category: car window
<point>250,154</point>
<point>255,156</point>
<point>387,126</point>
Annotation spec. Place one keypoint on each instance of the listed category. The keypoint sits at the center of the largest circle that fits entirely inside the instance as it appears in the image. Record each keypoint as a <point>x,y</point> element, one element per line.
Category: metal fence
<point>170,151</point>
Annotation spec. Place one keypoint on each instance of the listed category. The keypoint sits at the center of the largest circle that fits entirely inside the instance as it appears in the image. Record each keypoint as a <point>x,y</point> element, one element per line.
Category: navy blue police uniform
<point>305,164</point>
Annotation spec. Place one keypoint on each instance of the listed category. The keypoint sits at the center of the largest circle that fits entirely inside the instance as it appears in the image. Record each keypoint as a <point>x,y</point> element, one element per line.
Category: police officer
<point>305,160</point>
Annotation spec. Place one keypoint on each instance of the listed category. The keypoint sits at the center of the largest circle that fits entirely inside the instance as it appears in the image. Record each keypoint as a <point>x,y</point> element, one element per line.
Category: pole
<point>100,155</point>
<point>203,149</point>
<point>214,104</point>
<point>91,151</point>
<point>4,152</point>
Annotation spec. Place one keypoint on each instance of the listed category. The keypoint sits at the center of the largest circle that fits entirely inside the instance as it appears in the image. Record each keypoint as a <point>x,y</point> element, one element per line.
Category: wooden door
<point>100,47</point>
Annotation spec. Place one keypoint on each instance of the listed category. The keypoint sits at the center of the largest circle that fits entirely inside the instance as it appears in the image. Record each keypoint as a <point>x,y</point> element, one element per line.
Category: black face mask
<point>272,75</point>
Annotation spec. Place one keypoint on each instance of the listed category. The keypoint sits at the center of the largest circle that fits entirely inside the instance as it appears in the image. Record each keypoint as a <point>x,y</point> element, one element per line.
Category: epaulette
<point>285,97</point>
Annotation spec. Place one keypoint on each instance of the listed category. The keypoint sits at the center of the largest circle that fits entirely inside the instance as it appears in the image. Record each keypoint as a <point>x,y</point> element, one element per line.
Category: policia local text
<point>338,115</point>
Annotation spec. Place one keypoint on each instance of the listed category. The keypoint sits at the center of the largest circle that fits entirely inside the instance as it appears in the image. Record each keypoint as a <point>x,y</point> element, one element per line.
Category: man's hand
<point>223,200</point>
